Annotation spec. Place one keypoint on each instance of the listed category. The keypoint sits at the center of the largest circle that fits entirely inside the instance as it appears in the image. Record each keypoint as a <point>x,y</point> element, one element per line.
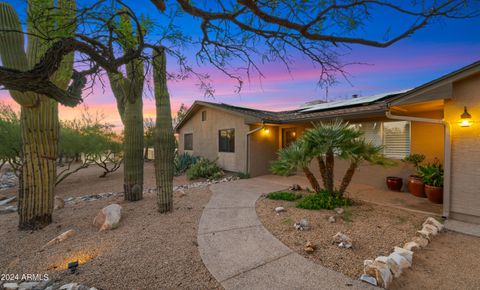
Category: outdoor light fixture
<point>72,267</point>
<point>267,130</point>
<point>465,118</point>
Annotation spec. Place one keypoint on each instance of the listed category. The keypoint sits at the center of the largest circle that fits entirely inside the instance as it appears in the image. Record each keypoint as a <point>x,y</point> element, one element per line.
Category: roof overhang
<point>438,89</point>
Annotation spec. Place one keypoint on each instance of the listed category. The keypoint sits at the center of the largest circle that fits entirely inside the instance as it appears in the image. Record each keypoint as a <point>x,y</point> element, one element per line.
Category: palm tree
<point>295,156</point>
<point>327,140</point>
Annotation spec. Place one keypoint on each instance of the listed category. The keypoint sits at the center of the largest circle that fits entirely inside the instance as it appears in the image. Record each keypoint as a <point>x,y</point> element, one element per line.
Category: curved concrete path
<point>241,254</point>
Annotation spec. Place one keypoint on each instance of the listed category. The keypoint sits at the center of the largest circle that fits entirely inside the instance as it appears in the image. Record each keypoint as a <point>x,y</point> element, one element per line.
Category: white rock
<point>279,209</point>
<point>400,260</point>
<point>109,217</point>
<point>435,223</point>
<point>28,285</point>
<point>339,210</point>
<point>421,241</point>
<point>380,271</point>
<point>342,240</point>
<point>430,228</point>
<point>345,245</point>
<point>59,202</point>
<point>369,279</point>
<point>392,265</point>
<point>5,201</point>
<point>10,286</point>
<point>425,234</point>
<point>60,238</point>
<point>70,286</point>
<point>404,253</point>
<point>411,246</point>
<point>331,219</point>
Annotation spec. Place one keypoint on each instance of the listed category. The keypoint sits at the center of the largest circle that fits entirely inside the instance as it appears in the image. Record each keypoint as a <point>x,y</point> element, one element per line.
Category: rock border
<point>381,271</point>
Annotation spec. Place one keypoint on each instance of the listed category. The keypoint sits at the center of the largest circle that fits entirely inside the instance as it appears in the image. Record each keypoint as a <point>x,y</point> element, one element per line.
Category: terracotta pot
<point>434,193</point>
<point>394,183</point>
<point>416,186</point>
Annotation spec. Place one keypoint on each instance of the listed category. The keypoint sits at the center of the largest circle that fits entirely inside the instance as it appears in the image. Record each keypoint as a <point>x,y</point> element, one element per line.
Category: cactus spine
<point>39,114</point>
<point>164,142</point>
<point>128,94</point>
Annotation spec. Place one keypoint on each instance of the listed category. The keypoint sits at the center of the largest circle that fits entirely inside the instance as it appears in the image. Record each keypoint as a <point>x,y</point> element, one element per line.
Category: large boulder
<point>109,217</point>
<point>380,271</point>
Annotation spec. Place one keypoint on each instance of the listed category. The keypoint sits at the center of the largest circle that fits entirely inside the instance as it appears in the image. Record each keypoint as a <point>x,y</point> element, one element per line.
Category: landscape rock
<point>302,225</point>
<point>109,217</point>
<point>2,197</point>
<point>400,260</point>
<point>331,219</point>
<point>424,234</point>
<point>8,200</point>
<point>339,210</point>
<point>342,240</point>
<point>7,209</point>
<point>310,247</point>
<point>435,223</point>
<point>28,285</point>
<point>422,242</point>
<point>60,238</point>
<point>10,286</point>
<point>430,228</point>
<point>59,203</point>
<point>8,180</point>
<point>279,209</point>
<point>381,272</point>
<point>295,187</point>
<point>369,279</point>
<point>391,263</point>
<point>411,246</point>
<point>404,253</point>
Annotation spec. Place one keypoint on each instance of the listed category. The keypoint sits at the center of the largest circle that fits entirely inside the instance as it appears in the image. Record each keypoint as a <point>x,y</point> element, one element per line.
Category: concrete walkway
<point>241,254</point>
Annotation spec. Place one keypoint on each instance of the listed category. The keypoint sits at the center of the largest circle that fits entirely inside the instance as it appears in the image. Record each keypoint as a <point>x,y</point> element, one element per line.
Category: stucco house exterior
<point>422,120</point>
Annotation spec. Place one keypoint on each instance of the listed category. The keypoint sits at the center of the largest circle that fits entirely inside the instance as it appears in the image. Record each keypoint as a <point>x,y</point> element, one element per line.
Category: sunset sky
<point>437,49</point>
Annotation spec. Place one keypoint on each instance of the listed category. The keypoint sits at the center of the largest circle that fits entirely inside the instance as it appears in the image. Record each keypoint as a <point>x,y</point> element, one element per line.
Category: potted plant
<point>415,183</point>
<point>432,176</point>
<point>394,183</point>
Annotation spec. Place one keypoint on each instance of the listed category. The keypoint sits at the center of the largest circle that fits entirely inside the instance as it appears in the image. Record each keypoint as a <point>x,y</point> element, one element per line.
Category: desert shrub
<point>183,162</point>
<point>204,168</point>
<point>323,200</point>
<point>284,195</point>
<point>244,175</point>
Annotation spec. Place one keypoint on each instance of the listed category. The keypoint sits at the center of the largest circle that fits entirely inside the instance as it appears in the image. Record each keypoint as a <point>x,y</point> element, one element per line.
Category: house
<point>422,120</point>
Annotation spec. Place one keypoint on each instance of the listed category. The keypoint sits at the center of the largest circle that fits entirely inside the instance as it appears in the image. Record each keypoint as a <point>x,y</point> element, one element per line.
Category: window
<point>188,141</point>
<point>393,136</point>
<point>226,140</point>
<point>204,116</point>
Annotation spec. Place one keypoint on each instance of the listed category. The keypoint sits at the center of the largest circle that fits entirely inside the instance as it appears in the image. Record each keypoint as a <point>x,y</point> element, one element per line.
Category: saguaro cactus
<point>39,114</point>
<point>164,142</point>
<point>128,92</point>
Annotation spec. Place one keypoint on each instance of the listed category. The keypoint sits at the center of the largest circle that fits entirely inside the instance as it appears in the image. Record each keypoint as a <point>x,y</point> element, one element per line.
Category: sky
<point>439,48</point>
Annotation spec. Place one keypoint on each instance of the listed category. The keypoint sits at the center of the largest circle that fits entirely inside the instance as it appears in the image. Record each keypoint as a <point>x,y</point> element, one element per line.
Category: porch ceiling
<point>429,106</point>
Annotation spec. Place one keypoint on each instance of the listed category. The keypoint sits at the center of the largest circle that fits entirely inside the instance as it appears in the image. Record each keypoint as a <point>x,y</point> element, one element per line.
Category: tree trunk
<point>133,150</point>
<point>347,178</point>
<point>164,141</point>
<point>329,166</point>
<point>323,171</point>
<point>311,178</point>
<point>40,131</point>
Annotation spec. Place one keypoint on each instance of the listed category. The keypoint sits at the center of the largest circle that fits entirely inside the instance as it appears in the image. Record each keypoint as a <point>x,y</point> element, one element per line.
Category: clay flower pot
<point>434,193</point>
<point>394,183</point>
<point>416,186</point>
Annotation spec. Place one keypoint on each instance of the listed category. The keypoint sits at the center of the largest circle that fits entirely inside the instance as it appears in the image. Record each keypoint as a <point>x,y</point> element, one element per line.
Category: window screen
<point>396,139</point>
<point>188,141</point>
<point>226,140</point>
<point>204,116</point>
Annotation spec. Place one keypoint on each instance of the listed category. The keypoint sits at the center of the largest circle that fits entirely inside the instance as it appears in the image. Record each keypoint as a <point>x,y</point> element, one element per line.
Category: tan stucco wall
<point>427,138</point>
<point>465,175</point>
<point>205,138</point>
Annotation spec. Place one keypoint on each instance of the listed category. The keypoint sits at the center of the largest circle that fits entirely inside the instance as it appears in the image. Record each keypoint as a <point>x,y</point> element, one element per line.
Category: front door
<point>289,135</point>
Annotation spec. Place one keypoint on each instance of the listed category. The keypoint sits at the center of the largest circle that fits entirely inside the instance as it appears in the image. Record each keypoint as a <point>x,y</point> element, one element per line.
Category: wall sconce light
<point>465,118</point>
<point>266,130</point>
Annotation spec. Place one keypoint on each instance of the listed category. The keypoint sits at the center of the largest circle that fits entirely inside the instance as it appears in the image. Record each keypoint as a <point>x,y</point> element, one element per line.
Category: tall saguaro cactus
<point>39,114</point>
<point>164,142</point>
<point>128,92</point>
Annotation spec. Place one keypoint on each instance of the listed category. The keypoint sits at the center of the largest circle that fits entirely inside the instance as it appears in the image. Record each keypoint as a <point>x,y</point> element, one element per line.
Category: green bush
<point>284,195</point>
<point>244,175</point>
<point>204,168</point>
<point>323,200</point>
<point>183,162</point>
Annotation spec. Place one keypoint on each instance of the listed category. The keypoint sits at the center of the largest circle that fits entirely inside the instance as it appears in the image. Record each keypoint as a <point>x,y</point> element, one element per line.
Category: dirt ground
<point>148,251</point>
<point>449,262</point>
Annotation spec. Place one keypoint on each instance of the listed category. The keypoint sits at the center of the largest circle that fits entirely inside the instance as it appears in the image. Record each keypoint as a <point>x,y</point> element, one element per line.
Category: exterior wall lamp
<point>465,118</point>
<point>266,130</point>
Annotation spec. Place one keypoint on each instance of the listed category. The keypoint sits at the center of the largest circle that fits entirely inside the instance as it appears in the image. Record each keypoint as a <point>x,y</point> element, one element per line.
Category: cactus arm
<point>12,51</point>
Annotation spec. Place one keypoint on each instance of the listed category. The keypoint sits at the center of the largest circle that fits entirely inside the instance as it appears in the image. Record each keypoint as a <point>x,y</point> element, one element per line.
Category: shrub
<point>244,175</point>
<point>183,162</point>
<point>284,195</point>
<point>323,200</point>
<point>204,168</point>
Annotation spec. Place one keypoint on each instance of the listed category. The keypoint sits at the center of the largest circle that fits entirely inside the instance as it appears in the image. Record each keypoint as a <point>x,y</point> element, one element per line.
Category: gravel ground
<point>449,262</point>
<point>374,230</point>
<point>148,251</point>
